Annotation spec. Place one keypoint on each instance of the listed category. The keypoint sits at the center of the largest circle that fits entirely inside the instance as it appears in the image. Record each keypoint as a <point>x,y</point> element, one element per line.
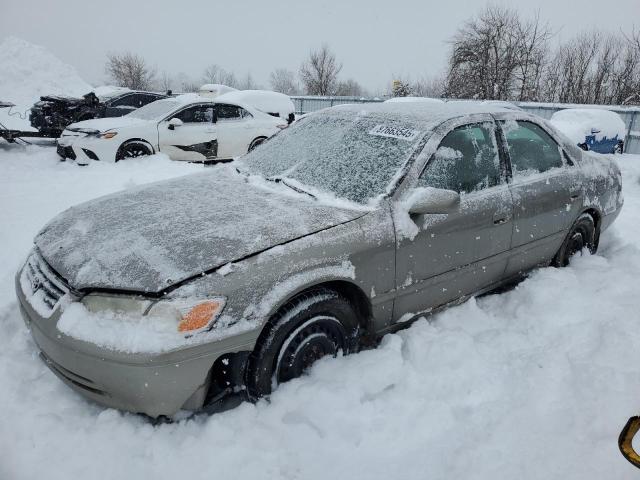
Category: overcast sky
<point>374,39</point>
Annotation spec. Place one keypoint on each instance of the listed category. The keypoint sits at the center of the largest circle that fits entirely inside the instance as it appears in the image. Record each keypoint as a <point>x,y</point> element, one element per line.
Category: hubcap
<point>313,340</point>
<point>576,244</point>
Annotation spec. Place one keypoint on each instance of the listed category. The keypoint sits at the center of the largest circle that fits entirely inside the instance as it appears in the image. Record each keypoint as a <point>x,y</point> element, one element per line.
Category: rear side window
<point>531,149</point>
<point>228,112</point>
<point>466,160</point>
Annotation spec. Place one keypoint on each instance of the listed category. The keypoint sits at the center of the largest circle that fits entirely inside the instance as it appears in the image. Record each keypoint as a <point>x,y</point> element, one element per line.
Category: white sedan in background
<point>188,127</point>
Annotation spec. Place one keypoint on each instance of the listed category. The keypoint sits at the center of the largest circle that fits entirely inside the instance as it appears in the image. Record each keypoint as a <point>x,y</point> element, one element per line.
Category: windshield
<point>155,110</point>
<point>352,156</point>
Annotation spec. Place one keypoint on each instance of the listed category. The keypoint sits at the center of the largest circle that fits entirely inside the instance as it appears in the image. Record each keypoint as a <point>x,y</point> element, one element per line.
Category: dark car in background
<point>53,113</point>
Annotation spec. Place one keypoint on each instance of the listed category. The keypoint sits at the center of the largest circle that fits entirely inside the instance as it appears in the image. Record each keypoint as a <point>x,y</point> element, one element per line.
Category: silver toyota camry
<point>349,224</point>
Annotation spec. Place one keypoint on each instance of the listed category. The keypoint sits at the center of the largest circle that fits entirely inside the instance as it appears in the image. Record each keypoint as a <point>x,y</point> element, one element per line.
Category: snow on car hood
<point>149,238</point>
<point>103,124</point>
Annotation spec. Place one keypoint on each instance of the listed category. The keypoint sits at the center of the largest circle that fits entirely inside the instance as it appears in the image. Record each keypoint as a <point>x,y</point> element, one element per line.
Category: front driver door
<point>195,140</point>
<point>463,252</point>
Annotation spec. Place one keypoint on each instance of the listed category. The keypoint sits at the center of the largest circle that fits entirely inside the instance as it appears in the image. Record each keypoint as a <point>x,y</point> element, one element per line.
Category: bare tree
<point>129,70</point>
<point>166,82</point>
<point>432,87</point>
<point>497,55</point>
<point>185,84</point>
<point>248,83</point>
<point>319,73</point>
<point>350,88</point>
<point>283,81</point>
<point>216,74</point>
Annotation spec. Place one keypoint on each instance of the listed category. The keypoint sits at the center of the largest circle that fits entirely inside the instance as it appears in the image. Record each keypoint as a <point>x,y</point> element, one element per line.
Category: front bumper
<point>152,384</point>
<point>84,148</point>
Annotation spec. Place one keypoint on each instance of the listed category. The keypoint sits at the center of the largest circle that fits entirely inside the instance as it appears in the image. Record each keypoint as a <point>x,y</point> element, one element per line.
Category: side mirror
<point>431,200</point>
<point>175,122</point>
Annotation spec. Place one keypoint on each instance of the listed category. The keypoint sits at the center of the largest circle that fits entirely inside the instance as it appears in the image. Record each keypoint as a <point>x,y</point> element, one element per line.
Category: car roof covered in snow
<point>429,112</point>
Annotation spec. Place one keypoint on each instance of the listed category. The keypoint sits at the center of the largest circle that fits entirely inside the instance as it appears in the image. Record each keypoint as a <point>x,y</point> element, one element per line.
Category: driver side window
<point>467,160</point>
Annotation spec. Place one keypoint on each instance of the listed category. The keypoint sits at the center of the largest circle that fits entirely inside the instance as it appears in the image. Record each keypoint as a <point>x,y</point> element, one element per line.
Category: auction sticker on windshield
<point>392,131</point>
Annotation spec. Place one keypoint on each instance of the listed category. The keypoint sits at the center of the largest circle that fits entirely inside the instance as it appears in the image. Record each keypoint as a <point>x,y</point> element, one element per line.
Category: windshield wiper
<point>292,187</point>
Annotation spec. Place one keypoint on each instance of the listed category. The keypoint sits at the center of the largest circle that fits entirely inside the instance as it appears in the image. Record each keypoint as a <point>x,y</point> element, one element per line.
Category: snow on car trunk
<point>532,383</point>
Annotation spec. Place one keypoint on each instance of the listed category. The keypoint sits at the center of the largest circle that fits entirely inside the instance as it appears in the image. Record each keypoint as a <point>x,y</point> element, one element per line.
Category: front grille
<point>41,285</point>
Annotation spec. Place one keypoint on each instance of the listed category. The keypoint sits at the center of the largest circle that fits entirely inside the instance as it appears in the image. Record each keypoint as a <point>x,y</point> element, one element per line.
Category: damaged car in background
<point>188,127</point>
<point>351,223</point>
<point>51,115</point>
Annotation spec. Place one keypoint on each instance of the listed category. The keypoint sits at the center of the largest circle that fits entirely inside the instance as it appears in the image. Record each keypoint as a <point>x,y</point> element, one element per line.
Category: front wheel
<point>311,326</point>
<point>582,235</point>
<point>133,149</point>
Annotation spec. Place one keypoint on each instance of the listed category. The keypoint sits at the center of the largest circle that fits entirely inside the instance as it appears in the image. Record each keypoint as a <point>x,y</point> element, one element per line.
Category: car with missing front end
<point>351,223</point>
<point>187,127</point>
<point>53,113</point>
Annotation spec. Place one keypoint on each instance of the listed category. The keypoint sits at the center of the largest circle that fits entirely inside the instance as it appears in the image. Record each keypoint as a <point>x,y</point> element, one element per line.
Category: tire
<point>618,149</point>
<point>312,325</point>
<point>133,149</point>
<point>256,142</point>
<point>582,235</point>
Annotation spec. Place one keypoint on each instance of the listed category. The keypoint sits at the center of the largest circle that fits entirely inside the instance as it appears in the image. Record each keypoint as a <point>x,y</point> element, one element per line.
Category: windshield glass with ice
<point>350,156</point>
<point>155,110</point>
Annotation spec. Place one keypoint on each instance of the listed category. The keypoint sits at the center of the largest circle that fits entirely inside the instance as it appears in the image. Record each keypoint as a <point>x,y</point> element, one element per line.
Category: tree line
<point>497,54</point>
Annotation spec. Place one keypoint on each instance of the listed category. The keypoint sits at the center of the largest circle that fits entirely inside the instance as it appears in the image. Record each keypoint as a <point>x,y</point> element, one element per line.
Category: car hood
<point>104,124</point>
<point>149,238</point>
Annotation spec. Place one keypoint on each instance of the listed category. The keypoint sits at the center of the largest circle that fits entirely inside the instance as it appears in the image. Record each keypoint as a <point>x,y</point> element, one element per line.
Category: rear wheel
<point>133,149</point>
<point>582,235</point>
<point>311,326</point>
<point>256,142</point>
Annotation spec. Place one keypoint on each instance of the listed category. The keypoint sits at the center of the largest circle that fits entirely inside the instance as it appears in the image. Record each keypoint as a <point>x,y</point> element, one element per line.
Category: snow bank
<point>534,383</point>
<point>577,123</point>
<point>29,71</point>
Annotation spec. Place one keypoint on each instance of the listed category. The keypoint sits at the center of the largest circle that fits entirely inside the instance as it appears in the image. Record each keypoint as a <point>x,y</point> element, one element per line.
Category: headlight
<point>108,134</point>
<point>189,315</point>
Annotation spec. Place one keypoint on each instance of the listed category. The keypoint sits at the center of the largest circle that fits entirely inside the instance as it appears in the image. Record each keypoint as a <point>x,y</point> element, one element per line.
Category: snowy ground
<point>533,383</point>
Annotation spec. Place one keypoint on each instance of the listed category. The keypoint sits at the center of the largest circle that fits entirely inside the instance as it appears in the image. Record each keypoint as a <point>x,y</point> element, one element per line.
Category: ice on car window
<point>336,153</point>
<point>531,149</point>
<point>466,160</point>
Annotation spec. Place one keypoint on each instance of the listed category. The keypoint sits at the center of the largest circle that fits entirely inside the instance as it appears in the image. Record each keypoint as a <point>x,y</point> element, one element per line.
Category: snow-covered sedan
<point>188,127</point>
<point>349,224</point>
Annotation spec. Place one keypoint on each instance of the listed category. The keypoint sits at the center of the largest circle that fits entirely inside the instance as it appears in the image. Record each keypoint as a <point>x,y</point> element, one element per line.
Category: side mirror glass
<point>175,122</point>
<point>429,200</point>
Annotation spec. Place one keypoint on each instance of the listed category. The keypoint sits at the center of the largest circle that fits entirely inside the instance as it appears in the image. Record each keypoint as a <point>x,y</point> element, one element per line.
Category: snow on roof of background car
<point>577,123</point>
<point>413,99</point>
<point>212,90</point>
<point>264,100</point>
<point>108,91</point>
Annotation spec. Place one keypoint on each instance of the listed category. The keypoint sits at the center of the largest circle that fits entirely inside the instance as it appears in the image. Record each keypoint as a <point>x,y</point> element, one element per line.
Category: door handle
<point>500,220</point>
<point>574,197</point>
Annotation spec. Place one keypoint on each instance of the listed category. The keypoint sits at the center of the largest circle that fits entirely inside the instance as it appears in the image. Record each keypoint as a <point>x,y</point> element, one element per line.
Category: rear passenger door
<point>546,191</point>
<point>235,130</point>
<point>465,251</point>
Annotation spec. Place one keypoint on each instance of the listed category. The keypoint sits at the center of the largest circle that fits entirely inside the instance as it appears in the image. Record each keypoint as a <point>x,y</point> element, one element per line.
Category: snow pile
<point>29,71</point>
<point>534,383</point>
<point>577,123</point>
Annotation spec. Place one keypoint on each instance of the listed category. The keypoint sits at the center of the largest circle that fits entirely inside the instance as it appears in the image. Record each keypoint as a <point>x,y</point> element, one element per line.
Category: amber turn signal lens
<point>199,316</point>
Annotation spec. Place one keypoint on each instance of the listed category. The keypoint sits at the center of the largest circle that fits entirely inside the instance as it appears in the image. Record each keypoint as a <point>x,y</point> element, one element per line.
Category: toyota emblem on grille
<point>36,283</point>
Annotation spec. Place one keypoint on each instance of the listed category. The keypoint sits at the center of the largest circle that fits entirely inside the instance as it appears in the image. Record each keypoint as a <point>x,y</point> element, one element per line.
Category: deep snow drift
<point>534,383</point>
<point>29,71</point>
